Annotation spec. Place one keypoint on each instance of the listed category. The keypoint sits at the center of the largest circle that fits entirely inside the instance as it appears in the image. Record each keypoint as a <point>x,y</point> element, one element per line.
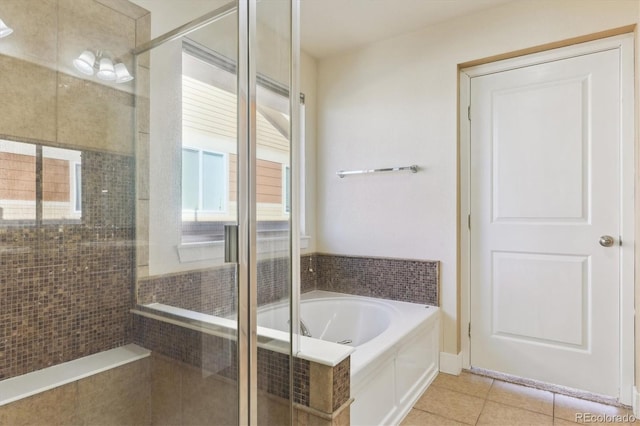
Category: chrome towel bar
<point>343,173</point>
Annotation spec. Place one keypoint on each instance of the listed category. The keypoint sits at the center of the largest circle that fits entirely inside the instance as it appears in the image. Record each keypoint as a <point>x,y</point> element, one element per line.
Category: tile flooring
<point>469,399</point>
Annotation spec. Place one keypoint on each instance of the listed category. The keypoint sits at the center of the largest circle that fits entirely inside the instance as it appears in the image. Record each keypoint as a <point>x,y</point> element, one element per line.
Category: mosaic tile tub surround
<point>212,291</point>
<point>405,280</point>
<point>320,391</point>
<point>217,355</point>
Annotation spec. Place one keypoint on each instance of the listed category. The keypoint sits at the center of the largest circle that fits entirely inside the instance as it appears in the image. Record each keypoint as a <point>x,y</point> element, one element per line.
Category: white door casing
<point>545,170</point>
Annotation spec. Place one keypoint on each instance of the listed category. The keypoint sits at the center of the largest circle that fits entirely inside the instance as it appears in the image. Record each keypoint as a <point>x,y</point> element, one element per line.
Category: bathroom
<point>124,274</point>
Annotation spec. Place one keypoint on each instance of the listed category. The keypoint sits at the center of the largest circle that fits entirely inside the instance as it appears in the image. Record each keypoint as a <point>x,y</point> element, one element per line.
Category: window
<point>203,181</point>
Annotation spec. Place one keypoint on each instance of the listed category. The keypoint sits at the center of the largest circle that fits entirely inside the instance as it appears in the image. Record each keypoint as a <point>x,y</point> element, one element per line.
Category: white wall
<point>394,103</point>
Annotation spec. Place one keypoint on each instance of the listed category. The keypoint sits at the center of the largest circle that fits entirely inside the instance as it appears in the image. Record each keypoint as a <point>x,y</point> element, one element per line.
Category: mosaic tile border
<point>405,280</point>
<point>212,291</point>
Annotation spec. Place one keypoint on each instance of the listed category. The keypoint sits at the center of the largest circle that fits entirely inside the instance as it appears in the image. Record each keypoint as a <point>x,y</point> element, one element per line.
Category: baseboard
<point>451,363</point>
<point>636,403</point>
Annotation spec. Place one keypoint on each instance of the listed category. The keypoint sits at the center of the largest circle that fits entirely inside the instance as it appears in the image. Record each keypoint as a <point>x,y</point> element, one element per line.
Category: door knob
<point>606,241</point>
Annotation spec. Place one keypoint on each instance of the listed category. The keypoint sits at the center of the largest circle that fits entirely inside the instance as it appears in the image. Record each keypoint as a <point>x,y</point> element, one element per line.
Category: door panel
<point>541,298</point>
<point>537,154</point>
<point>544,188</point>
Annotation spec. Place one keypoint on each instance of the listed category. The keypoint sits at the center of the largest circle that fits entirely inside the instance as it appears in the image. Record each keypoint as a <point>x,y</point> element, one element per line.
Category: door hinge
<point>469,222</point>
<point>469,112</point>
<point>469,330</point>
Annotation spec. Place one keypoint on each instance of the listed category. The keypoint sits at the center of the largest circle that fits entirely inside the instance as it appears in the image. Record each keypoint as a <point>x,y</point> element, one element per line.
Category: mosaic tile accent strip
<point>404,280</point>
<point>273,280</point>
<point>218,355</point>
<point>65,289</point>
<point>273,376</point>
<point>211,353</point>
<point>308,274</point>
<point>213,291</point>
<point>341,383</point>
<point>301,382</point>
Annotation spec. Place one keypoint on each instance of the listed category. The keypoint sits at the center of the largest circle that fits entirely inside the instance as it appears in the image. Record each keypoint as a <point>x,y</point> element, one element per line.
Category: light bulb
<point>4,29</point>
<point>84,62</point>
<point>122,73</point>
<point>106,71</point>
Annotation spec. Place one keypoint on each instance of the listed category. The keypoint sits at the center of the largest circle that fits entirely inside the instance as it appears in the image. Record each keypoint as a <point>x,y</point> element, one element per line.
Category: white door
<point>545,187</point>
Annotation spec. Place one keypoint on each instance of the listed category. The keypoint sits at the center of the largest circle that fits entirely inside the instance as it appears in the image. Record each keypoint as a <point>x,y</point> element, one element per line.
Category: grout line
<point>484,403</point>
<point>442,415</point>
<point>520,407</point>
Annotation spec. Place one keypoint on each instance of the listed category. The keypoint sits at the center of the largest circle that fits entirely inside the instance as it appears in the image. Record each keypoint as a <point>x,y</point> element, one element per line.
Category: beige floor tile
<point>468,383</point>
<point>496,414</point>
<point>560,422</point>
<point>422,418</point>
<point>569,408</point>
<point>522,397</point>
<point>450,404</point>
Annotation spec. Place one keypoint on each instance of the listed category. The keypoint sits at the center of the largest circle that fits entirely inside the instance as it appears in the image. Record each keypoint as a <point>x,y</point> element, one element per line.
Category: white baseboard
<point>451,363</point>
<point>636,403</point>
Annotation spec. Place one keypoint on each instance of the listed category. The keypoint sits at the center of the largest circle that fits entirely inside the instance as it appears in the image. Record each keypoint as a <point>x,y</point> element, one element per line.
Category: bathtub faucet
<point>303,328</point>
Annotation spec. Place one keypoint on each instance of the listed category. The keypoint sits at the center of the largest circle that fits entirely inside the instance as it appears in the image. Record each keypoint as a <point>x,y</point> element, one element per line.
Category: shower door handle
<point>231,243</point>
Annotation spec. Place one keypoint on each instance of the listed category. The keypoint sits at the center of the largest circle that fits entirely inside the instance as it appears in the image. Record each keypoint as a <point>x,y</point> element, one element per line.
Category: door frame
<point>625,43</point>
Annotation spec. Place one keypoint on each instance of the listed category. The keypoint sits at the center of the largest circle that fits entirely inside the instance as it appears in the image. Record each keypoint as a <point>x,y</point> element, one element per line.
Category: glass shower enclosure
<point>216,115</point>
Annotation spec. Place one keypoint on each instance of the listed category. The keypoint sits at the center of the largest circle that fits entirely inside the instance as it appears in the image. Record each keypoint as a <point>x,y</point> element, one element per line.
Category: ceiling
<point>328,27</point>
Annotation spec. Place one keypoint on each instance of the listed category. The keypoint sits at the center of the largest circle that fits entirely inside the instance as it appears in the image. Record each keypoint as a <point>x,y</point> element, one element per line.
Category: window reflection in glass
<point>209,151</point>
<point>61,184</point>
<point>17,181</point>
<point>39,184</point>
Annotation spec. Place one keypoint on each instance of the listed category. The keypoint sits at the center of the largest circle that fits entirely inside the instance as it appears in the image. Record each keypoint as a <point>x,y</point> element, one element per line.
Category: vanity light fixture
<point>4,29</point>
<point>101,64</point>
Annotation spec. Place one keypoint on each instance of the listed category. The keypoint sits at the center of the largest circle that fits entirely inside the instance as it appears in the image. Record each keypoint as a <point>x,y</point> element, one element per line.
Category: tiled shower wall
<point>65,289</point>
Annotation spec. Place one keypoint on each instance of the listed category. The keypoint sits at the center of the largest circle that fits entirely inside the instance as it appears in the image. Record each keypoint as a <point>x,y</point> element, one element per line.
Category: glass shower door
<point>213,211</point>
<point>273,203</point>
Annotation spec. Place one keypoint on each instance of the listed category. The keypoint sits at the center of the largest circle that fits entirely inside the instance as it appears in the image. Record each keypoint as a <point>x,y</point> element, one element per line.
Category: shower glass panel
<point>208,157</point>
<point>273,165</point>
<point>187,183</point>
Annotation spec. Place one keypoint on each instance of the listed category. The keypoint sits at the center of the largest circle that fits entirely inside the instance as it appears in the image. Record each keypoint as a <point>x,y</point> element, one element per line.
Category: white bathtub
<point>396,348</point>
